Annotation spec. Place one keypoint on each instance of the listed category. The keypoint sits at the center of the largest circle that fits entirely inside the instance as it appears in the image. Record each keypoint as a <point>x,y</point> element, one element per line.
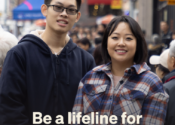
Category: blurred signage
<point>92,2</point>
<point>102,10</point>
<point>171,2</point>
<point>116,4</point>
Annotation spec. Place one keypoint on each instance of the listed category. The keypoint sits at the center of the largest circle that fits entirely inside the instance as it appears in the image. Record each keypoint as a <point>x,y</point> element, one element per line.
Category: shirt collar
<point>139,68</point>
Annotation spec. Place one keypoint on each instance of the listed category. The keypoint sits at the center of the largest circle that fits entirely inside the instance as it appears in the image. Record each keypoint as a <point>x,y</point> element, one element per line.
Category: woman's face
<point>122,44</point>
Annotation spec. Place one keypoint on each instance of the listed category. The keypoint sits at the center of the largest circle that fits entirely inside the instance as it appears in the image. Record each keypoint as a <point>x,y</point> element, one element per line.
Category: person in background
<point>160,62</point>
<point>101,29</point>
<point>169,85</point>
<point>155,47</point>
<point>86,45</point>
<point>42,73</point>
<point>76,29</point>
<point>74,37</point>
<point>125,84</point>
<point>173,35</point>
<point>86,30</point>
<point>81,33</point>
<point>98,56</point>
<point>98,41</point>
<point>7,41</point>
<point>166,34</point>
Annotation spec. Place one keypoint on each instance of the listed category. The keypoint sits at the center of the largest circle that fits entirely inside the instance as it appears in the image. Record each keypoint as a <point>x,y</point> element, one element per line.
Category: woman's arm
<point>155,106</point>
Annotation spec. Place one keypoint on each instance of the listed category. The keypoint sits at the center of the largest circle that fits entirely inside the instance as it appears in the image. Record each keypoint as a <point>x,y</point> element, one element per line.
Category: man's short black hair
<point>47,2</point>
<point>141,46</point>
<point>84,41</point>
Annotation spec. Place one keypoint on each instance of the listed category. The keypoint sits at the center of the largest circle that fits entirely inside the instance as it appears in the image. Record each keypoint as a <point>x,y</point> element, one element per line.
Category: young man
<point>42,73</point>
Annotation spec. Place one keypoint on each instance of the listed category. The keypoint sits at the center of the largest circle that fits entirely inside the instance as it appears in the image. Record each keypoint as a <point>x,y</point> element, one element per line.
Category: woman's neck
<point>118,68</point>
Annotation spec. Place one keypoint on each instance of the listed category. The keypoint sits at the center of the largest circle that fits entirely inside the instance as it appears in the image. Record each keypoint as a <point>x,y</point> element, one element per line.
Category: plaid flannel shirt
<point>140,93</point>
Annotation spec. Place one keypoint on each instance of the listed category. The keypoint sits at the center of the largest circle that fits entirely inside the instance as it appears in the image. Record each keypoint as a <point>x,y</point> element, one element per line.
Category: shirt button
<point>121,82</point>
<point>129,71</point>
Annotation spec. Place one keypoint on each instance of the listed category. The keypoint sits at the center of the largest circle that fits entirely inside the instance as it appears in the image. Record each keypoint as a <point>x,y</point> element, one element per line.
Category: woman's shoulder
<point>96,72</point>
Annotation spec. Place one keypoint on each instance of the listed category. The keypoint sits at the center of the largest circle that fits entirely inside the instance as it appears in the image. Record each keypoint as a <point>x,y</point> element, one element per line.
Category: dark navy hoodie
<point>35,80</point>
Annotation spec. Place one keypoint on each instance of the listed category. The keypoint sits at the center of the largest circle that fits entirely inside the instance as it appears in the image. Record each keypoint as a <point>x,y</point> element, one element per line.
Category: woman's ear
<point>44,10</point>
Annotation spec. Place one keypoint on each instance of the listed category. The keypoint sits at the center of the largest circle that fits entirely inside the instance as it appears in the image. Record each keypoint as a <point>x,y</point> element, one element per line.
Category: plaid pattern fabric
<point>140,93</point>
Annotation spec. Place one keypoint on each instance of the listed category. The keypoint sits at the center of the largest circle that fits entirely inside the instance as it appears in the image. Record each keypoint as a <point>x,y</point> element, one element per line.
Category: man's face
<point>61,21</point>
<point>163,26</point>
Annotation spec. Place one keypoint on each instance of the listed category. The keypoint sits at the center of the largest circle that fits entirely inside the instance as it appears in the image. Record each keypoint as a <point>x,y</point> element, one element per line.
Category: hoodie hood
<point>35,38</point>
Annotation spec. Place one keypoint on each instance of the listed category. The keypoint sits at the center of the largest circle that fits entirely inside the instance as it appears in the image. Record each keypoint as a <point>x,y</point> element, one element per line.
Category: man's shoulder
<point>170,85</point>
<point>84,53</point>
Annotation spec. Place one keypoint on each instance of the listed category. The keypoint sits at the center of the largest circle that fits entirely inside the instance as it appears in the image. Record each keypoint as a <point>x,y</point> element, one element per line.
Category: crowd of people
<point>85,70</point>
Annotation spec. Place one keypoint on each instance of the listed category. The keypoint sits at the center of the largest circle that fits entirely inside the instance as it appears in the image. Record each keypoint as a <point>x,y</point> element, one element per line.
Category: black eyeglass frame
<point>63,9</point>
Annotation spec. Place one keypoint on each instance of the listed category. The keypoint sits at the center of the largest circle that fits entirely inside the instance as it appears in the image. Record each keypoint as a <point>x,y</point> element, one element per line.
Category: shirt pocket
<point>132,101</point>
<point>92,97</point>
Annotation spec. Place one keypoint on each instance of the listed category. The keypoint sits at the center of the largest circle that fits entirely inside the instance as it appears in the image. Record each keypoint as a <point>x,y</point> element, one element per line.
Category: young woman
<point>125,83</point>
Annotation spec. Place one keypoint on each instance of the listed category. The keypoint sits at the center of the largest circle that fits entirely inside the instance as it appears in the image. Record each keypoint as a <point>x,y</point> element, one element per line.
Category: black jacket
<point>35,80</point>
<point>170,89</point>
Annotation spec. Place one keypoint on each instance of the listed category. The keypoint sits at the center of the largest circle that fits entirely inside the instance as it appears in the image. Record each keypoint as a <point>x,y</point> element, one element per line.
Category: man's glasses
<point>69,11</point>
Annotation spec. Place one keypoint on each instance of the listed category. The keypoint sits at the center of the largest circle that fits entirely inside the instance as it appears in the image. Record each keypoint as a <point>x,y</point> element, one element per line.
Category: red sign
<point>92,2</point>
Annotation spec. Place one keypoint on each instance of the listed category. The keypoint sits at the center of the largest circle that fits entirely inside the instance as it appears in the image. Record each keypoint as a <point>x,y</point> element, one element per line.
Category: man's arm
<point>13,91</point>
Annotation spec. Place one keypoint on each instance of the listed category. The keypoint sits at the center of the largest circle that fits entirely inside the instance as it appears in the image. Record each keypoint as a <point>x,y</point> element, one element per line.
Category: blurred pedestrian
<point>161,64</point>
<point>86,45</point>
<point>7,41</point>
<point>100,29</point>
<point>81,33</point>
<point>76,29</point>
<point>74,37</point>
<point>166,34</point>
<point>173,35</point>
<point>125,84</point>
<point>170,85</point>
<point>41,74</point>
<point>98,55</point>
<point>154,48</point>
<point>98,41</point>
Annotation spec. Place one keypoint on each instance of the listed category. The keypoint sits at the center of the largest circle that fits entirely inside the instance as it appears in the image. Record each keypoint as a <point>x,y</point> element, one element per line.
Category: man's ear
<point>44,10</point>
<point>78,16</point>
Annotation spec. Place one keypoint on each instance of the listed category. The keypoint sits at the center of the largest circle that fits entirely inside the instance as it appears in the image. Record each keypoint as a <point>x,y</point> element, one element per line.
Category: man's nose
<point>64,13</point>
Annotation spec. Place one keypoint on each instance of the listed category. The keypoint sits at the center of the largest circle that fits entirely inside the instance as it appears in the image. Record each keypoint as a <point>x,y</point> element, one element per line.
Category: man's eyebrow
<point>59,3</point>
<point>68,6</point>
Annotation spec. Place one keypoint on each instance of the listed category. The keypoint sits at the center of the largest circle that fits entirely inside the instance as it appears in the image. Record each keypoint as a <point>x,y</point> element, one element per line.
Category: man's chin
<point>61,31</point>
